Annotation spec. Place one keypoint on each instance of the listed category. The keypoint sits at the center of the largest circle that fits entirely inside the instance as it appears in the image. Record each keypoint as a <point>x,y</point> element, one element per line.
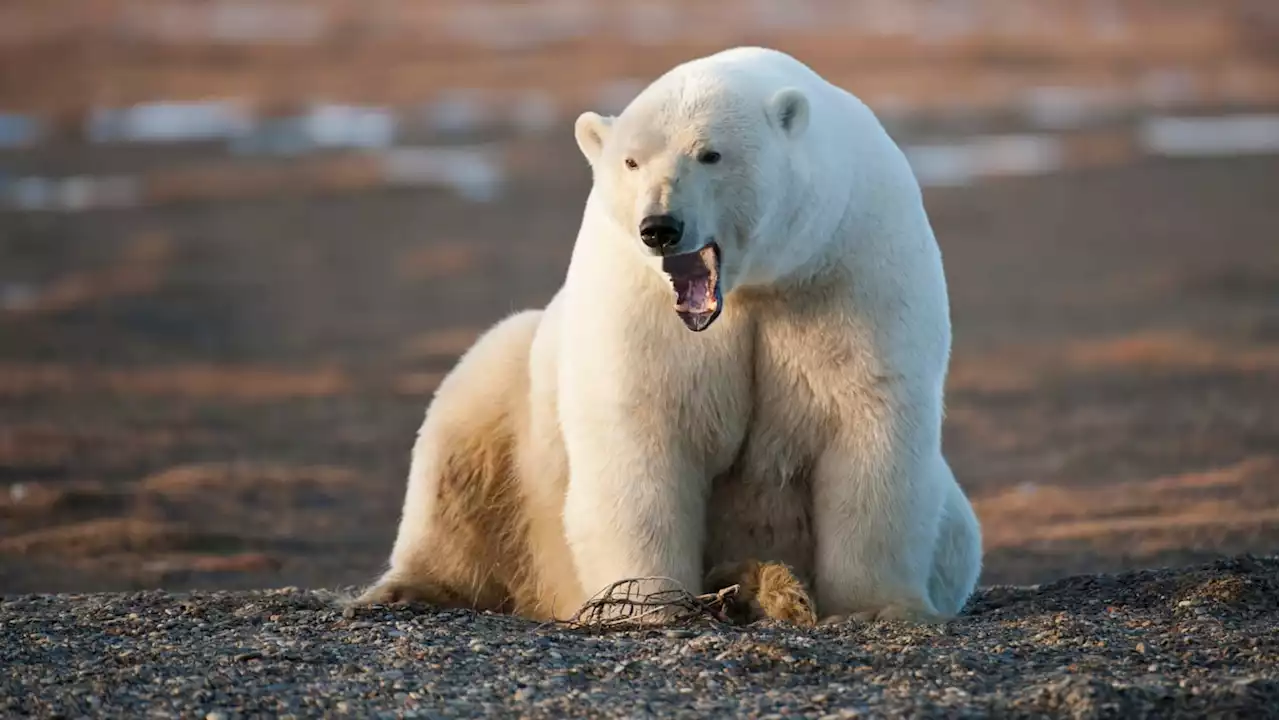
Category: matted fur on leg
<point>765,590</point>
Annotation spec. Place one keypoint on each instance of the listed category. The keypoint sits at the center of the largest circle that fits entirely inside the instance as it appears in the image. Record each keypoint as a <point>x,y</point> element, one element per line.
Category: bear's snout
<point>659,232</point>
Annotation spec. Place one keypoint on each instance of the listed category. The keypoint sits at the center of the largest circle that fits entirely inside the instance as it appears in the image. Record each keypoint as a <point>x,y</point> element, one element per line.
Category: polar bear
<point>744,368</point>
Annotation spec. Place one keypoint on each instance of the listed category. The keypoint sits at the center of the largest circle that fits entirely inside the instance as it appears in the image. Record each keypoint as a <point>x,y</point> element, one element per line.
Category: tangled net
<point>624,605</point>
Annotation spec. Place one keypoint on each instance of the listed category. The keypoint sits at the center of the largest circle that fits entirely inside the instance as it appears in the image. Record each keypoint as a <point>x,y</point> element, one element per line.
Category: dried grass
<point>624,605</point>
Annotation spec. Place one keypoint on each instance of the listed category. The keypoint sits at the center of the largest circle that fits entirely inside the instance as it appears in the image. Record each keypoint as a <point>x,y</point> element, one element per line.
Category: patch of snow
<point>1210,136</point>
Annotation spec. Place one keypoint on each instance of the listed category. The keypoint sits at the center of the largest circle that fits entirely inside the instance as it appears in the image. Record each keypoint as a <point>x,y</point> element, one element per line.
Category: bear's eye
<point>632,164</point>
<point>709,157</point>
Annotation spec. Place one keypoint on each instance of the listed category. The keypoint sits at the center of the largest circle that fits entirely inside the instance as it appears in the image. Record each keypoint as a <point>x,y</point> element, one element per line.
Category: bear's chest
<point>760,504</point>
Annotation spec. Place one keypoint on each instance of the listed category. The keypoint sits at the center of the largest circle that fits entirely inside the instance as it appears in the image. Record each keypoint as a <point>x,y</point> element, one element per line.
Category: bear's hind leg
<point>462,539</point>
<point>957,560</point>
<point>463,547</point>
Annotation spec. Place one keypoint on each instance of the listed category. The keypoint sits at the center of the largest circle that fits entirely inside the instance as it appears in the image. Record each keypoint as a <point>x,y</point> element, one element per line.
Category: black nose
<point>660,231</point>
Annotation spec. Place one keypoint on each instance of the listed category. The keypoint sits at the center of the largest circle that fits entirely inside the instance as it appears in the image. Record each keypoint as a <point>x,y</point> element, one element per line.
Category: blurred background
<point>242,240</point>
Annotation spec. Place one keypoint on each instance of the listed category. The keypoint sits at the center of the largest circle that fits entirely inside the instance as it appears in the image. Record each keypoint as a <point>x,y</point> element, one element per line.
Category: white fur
<point>804,425</point>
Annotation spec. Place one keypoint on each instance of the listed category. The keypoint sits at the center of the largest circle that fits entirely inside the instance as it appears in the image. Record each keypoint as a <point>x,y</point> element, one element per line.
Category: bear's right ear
<point>590,130</point>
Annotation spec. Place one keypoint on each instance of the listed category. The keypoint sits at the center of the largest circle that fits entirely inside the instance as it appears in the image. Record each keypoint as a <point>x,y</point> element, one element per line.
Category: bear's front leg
<point>634,508</point>
<point>877,505</point>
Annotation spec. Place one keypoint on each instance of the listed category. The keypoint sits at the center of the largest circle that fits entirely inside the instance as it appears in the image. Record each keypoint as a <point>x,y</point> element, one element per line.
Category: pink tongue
<point>693,294</point>
<point>691,279</point>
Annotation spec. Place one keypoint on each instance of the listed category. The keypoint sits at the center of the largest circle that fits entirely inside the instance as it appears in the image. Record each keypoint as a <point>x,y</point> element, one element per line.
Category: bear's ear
<point>590,130</point>
<point>789,110</point>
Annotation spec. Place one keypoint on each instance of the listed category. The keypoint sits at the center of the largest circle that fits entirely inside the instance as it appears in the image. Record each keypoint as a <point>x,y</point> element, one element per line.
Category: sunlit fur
<point>600,439</point>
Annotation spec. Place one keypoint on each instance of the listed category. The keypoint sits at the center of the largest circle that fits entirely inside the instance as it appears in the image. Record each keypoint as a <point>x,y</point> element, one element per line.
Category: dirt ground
<point>223,395</point>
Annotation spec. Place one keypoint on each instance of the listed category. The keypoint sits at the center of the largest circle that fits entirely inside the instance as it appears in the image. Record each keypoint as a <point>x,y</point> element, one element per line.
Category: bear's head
<point>699,173</point>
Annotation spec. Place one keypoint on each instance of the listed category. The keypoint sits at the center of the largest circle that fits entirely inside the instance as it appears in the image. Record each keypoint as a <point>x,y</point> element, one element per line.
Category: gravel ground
<point>1193,642</point>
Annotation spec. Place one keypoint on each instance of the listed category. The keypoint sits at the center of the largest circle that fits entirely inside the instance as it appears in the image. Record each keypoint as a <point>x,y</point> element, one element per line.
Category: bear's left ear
<point>789,111</point>
<point>590,130</point>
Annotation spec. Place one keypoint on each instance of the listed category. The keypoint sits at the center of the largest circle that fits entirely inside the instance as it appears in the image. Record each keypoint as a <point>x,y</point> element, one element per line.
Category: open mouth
<point>695,277</point>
